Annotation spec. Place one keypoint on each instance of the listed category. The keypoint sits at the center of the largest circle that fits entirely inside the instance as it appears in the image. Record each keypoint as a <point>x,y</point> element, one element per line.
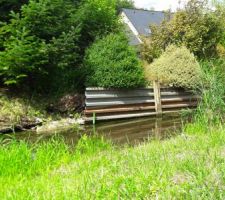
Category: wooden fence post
<point>157,97</point>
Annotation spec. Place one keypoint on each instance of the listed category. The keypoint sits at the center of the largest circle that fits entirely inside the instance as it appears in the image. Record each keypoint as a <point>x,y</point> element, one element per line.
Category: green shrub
<point>112,63</point>
<point>176,67</point>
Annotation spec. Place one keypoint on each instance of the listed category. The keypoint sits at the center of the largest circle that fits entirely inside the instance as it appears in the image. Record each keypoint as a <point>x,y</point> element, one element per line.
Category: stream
<point>132,131</point>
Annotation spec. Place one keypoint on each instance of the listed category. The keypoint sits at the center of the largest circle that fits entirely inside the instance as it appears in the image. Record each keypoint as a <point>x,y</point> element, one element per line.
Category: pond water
<point>132,131</point>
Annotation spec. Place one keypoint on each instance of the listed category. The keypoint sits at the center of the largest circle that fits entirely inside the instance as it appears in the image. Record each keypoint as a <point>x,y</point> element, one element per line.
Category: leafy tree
<point>196,27</point>
<point>124,4</point>
<point>112,63</point>
<point>96,18</point>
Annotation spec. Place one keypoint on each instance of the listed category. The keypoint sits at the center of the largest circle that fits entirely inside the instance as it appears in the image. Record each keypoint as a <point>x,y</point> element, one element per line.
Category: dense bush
<point>112,63</point>
<point>176,67</point>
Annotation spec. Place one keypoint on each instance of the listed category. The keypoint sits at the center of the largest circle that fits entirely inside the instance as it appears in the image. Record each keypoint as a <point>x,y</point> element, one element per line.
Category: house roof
<point>142,19</point>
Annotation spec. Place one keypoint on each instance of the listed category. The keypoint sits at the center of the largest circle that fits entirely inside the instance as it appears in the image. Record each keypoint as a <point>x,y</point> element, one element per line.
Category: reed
<point>212,107</point>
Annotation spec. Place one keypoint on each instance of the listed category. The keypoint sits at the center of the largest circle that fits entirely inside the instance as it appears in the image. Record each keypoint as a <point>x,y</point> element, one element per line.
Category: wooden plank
<point>180,105</point>
<point>180,98</point>
<point>175,93</point>
<point>176,111</point>
<point>113,110</point>
<point>118,102</point>
<point>119,95</point>
<point>126,116</point>
<point>120,106</point>
<point>111,89</point>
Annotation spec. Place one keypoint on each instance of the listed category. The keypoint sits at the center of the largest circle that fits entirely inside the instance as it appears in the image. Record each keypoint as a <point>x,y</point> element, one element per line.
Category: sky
<point>159,4</point>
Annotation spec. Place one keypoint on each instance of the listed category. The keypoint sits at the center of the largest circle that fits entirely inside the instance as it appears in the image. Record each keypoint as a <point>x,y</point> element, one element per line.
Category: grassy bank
<point>189,166</point>
<point>15,110</point>
<point>25,111</point>
<point>20,112</point>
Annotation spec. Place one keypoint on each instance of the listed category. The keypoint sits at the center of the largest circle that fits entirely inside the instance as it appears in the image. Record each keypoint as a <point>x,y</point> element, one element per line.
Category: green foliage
<point>38,44</point>
<point>124,4</point>
<point>23,57</point>
<point>176,67</point>
<point>45,43</point>
<point>6,6</point>
<point>46,18</point>
<point>15,111</point>
<point>112,63</point>
<point>169,169</point>
<point>196,27</point>
<point>96,19</point>
<point>212,107</point>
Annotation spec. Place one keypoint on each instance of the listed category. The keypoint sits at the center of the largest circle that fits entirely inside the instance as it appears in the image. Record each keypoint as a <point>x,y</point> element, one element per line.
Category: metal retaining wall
<point>108,104</point>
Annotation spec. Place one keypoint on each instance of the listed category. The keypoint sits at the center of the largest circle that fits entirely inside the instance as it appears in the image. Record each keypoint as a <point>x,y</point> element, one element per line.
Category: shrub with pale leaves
<point>176,67</point>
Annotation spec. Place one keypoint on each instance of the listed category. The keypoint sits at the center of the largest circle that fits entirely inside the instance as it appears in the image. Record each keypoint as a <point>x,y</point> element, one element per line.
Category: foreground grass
<point>189,166</point>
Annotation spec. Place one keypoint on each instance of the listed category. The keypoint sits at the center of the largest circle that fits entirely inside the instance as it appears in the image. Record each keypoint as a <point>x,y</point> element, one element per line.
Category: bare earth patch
<point>181,178</point>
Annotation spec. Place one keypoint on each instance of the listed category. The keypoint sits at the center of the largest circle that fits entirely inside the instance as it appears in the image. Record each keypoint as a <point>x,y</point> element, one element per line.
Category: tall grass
<point>212,108</point>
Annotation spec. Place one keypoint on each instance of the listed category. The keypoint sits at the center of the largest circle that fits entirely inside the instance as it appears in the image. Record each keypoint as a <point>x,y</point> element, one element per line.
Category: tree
<point>196,27</point>
<point>23,58</point>
<point>39,42</point>
<point>97,18</point>
<point>61,30</point>
<point>124,4</point>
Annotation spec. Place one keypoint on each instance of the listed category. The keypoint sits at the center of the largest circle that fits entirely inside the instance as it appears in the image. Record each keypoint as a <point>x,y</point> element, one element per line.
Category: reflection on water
<point>138,130</point>
<point>120,132</point>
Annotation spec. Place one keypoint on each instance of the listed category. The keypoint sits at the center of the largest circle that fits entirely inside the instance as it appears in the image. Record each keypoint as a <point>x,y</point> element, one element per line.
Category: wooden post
<point>158,128</point>
<point>94,118</point>
<point>157,97</point>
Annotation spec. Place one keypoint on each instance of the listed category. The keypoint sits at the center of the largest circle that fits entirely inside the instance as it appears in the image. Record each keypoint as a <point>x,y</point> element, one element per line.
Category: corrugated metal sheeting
<point>106,104</point>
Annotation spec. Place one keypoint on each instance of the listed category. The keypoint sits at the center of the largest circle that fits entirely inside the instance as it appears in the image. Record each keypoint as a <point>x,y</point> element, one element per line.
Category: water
<point>132,131</point>
<point>139,130</point>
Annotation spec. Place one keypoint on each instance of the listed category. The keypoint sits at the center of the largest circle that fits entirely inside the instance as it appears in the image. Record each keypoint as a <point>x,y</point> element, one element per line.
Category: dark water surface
<point>132,131</point>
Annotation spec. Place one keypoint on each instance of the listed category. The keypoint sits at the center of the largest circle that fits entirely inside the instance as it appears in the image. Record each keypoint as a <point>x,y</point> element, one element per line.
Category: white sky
<point>159,4</point>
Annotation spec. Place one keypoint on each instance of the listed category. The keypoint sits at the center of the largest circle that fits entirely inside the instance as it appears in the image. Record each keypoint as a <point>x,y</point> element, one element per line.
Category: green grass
<point>15,110</point>
<point>189,166</point>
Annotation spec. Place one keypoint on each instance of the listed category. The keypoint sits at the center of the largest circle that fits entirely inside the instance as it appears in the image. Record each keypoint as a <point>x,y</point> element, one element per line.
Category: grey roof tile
<point>142,19</point>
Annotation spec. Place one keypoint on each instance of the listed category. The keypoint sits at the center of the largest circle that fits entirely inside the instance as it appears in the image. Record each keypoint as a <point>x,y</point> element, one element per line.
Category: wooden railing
<point>108,104</point>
